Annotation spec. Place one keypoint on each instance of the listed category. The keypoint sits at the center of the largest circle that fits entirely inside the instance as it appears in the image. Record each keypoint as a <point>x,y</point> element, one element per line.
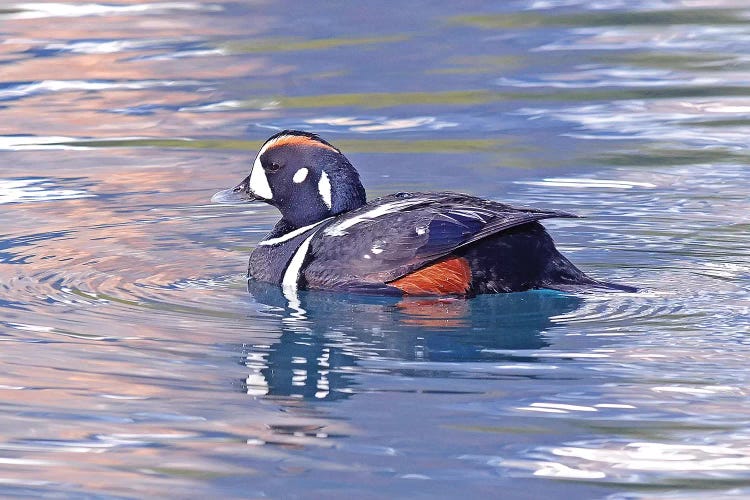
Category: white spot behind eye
<point>324,188</point>
<point>300,175</point>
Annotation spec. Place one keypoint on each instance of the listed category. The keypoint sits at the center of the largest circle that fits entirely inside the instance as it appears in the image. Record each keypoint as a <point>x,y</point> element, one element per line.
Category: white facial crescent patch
<point>258,181</point>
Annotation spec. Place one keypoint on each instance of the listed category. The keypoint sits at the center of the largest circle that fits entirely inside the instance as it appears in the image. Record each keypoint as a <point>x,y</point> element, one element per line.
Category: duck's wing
<point>397,235</point>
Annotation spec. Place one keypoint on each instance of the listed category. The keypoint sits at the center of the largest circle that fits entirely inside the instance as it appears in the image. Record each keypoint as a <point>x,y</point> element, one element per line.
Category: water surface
<point>136,363</point>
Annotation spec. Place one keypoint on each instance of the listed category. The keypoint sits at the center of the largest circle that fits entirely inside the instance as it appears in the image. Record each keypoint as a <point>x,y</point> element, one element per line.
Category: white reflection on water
<point>37,10</point>
<point>555,408</point>
<point>97,47</point>
<point>625,77</point>
<point>628,462</point>
<point>382,123</point>
<point>184,54</point>
<point>216,106</point>
<point>664,119</point>
<point>26,142</point>
<point>651,456</point>
<point>629,77</point>
<point>30,190</point>
<point>664,37</point>
<point>699,391</point>
<point>27,89</point>
<point>636,5</point>
<point>587,183</point>
<point>365,124</point>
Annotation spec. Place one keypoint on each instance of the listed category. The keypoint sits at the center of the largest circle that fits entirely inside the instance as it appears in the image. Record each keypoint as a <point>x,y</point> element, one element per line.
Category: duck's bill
<point>238,194</point>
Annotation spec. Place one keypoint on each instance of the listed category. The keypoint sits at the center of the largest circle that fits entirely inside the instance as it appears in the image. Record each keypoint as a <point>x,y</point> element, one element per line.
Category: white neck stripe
<point>291,234</point>
<point>324,188</point>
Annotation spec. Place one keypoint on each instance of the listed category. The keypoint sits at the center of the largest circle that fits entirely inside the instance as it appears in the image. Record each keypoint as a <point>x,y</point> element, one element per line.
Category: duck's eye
<point>273,167</point>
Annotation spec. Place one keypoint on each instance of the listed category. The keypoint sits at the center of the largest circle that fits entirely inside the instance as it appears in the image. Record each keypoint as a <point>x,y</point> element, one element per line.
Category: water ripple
<point>627,462</point>
<point>717,121</point>
<point>612,38</point>
<point>633,5</point>
<point>20,90</point>
<point>43,47</point>
<point>35,190</point>
<point>38,10</point>
<point>624,77</point>
<point>363,124</point>
<point>581,183</point>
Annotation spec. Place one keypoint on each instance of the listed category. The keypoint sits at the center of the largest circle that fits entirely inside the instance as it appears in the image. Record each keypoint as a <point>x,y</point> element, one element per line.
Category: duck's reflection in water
<point>325,335</point>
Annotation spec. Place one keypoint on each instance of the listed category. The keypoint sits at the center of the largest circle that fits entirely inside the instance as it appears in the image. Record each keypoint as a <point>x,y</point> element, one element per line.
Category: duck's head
<point>303,176</point>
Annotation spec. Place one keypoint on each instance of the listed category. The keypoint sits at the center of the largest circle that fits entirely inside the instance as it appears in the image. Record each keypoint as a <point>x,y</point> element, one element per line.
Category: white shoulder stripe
<point>291,234</point>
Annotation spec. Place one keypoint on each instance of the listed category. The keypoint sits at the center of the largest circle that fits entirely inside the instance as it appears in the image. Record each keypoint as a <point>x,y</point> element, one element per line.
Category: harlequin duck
<point>329,237</point>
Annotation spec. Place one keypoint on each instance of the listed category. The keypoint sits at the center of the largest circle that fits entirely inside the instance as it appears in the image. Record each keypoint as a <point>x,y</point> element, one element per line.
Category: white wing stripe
<point>472,214</point>
<point>384,209</point>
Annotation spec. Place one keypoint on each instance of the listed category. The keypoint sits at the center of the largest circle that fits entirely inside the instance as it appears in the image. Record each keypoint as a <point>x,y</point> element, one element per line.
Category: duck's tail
<point>564,276</point>
<point>590,286</point>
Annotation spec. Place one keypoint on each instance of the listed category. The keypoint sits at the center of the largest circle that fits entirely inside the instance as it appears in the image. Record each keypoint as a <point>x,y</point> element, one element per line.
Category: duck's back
<point>441,243</point>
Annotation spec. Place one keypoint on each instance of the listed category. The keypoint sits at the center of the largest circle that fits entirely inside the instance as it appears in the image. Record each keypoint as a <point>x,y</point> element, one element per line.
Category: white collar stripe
<point>291,234</point>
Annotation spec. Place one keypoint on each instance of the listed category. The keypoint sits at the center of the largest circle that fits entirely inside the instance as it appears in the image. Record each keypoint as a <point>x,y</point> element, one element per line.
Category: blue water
<point>137,364</point>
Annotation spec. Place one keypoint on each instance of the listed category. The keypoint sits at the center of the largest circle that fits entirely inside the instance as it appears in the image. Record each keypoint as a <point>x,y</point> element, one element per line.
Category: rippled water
<point>136,363</point>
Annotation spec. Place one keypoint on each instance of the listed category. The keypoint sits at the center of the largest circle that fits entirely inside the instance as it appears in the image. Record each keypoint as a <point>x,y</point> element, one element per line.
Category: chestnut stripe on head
<point>296,140</point>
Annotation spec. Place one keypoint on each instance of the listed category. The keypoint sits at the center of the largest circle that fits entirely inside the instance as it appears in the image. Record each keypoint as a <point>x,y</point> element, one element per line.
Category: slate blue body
<point>330,238</point>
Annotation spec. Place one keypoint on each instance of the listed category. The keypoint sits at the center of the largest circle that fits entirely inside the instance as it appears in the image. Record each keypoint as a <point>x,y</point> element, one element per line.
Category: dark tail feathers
<point>590,286</point>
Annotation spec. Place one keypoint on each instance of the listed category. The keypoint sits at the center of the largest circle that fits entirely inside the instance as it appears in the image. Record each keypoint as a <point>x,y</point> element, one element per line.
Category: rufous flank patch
<point>448,276</point>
